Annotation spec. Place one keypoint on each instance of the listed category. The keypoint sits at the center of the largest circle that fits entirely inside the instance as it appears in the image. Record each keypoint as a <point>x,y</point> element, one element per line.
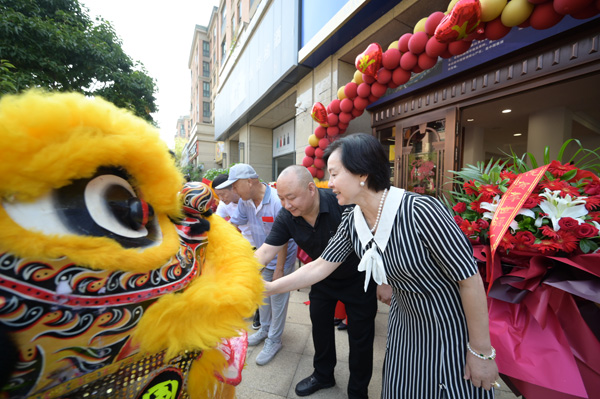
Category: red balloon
<point>368,79</point>
<point>417,42</point>
<point>378,90</point>
<point>588,12</point>
<point>335,106</point>
<point>319,163</point>
<point>391,58</point>
<point>356,113</point>
<point>434,48</point>
<point>462,20</point>
<point>459,47</point>
<point>372,98</point>
<point>346,105</point>
<point>307,161</point>
<point>309,151</point>
<point>332,120</point>
<point>426,62</point>
<point>384,76</point>
<point>346,117</point>
<point>360,104</point>
<point>320,132</point>
<point>403,42</point>
<point>408,61</point>
<point>333,131</point>
<point>320,174</point>
<point>319,114</point>
<point>400,76</point>
<point>350,90</point>
<point>323,143</point>
<point>319,152</point>
<point>544,16</point>
<point>313,171</point>
<point>446,54</point>
<point>538,1</point>
<point>343,126</point>
<point>433,21</point>
<point>364,90</point>
<point>417,69</point>
<point>565,7</point>
<point>369,61</point>
<point>495,30</point>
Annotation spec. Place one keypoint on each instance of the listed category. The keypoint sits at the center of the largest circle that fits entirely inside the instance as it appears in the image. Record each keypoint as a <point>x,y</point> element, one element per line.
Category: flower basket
<point>542,273</point>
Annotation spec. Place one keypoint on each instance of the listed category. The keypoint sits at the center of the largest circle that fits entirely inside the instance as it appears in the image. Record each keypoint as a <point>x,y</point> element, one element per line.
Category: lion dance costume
<point>114,282</point>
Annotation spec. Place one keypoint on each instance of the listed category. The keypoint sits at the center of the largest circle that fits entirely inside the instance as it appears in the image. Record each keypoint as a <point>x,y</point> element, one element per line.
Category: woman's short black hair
<point>220,179</point>
<point>363,154</point>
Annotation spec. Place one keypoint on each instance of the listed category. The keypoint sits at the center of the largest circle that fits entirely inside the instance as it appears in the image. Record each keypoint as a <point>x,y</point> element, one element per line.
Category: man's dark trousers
<point>361,310</point>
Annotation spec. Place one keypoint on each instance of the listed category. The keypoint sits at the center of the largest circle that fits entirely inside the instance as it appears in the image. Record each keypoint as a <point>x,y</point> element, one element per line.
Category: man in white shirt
<point>258,207</point>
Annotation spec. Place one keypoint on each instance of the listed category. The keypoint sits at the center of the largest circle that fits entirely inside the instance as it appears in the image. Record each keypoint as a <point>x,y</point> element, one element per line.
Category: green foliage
<point>214,172</point>
<point>7,81</point>
<point>54,45</point>
<point>194,172</point>
<point>178,149</point>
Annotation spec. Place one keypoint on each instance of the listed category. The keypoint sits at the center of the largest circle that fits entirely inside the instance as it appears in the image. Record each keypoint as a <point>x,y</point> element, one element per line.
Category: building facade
<point>281,57</point>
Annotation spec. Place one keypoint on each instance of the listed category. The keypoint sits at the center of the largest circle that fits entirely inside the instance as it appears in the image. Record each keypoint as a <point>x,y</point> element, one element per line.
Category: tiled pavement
<point>277,379</point>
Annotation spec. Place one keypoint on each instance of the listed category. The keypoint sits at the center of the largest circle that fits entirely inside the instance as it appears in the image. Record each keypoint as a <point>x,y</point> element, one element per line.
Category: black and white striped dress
<point>426,254</point>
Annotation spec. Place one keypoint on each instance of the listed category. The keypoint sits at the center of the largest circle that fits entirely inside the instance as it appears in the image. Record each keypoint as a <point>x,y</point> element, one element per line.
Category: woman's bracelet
<point>481,355</point>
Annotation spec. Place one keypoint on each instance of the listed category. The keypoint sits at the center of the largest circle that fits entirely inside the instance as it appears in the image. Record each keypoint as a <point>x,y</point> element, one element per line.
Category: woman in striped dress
<point>438,344</point>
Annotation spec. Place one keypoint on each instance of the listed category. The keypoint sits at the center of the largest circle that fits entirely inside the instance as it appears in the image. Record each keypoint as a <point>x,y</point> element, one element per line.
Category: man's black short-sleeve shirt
<point>313,240</point>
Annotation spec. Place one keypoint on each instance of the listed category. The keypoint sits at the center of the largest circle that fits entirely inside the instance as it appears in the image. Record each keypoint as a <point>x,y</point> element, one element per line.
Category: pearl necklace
<point>379,211</point>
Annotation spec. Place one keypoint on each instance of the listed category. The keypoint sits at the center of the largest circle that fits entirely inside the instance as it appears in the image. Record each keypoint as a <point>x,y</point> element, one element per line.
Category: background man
<point>258,208</point>
<point>311,216</point>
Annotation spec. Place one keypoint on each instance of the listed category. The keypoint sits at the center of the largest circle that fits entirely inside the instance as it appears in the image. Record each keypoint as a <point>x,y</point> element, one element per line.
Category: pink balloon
<point>403,42</point>
<point>426,62</point>
<point>368,78</point>
<point>408,61</point>
<point>346,105</point>
<point>320,174</point>
<point>346,117</point>
<point>400,76</point>
<point>391,58</point>
<point>335,106</point>
<point>570,6</point>
<point>320,132</point>
<point>372,98</point>
<point>360,104</point>
<point>333,131</point>
<point>309,151</point>
<point>495,30</point>
<point>319,152</point>
<point>378,90</point>
<point>323,143</point>
<point>459,47</point>
<point>350,90</point>
<point>384,76</point>
<point>356,113</point>
<point>432,22</point>
<point>343,126</point>
<point>319,163</point>
<point>434,48</point>
<point>364,90</point>
<point>332,120</point>
<point>417,43</point>
<point>307,161</point>
<point>544,16</point>
<point>313,171</point>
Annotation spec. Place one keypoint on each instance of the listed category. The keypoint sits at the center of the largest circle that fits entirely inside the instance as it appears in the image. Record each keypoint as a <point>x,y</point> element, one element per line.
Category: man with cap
<point>258,207</point>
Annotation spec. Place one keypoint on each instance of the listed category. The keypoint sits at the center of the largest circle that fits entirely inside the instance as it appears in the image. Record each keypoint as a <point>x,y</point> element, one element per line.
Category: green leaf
<point>569,175</point>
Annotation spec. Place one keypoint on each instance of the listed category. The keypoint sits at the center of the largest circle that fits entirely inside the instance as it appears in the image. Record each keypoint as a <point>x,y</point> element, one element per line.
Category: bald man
<point>310,216</point>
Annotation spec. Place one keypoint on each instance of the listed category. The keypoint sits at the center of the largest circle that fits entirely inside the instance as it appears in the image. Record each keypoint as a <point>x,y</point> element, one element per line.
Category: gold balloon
<point>358,76</point>
<point>420,26</point>
<point>491,9</point>
<point>393,44</point>
<point>341,94</point>
<point>313,140</point>
<point>516,12</point>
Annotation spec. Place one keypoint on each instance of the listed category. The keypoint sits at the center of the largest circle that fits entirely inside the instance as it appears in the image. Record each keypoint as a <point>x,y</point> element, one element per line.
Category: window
<point>233,24</point>
<point>223,51</point>
<point>205,48</point>
<point>206,109</point>
<point>223,20</point>
<point>205,69</point>
<point>239,12</point>
<point>206,89</point>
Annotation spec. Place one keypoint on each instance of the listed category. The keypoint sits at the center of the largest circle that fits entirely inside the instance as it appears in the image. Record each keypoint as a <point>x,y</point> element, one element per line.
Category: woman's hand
<point>384,293</point>
<point>481,372</point>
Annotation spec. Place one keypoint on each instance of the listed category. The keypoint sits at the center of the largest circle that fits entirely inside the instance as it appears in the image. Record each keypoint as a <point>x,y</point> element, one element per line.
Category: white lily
<point>492,206</point>
<point>556,207</point>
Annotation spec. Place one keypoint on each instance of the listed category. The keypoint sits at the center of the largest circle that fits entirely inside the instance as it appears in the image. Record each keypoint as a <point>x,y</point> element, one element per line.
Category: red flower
<point>489,191</point>
<point>567,241</point>
<point>481,224</point>
<point>459,207</point>
<point>585,174</point>
<point>476,206</point>
<point>508,242</point>
<point>505,174</point>
<point>595,216</point>
<point>470,188</point>
<point>525,237</point>
<point>592,189</point>
<point>586,230</point>
<point>458,219</point>
<point>567,223</point>
<point>558,169</point>
<point>592,202</point>
<point>562,186</point>
<point>547,246</point>
<point>548,231</point>
<point>532,201</point>
<point>468,228</point>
